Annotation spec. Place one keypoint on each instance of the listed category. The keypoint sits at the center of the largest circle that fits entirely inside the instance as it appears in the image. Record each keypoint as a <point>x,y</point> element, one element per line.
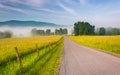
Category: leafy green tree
<point>48,32</point>
<point>61,31</point>
<point>1,34</point>
<point>57,32</point>
<point>65,31</point>
<point>83,28</point>
<point>40,32</point>
<point>37,32</point>
<point>8,34</point>
<point>115,31</point>
<point>102,31</point>
<point>76,29</point>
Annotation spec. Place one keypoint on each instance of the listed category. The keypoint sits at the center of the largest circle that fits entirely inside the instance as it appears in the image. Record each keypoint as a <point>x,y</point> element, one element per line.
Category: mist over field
<point>26,30</point>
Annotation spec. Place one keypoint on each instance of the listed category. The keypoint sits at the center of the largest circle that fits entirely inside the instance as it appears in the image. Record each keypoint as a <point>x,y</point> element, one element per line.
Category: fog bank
<point>26,31</point>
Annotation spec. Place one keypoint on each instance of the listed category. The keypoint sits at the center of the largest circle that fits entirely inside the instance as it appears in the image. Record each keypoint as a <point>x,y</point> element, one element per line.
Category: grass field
<point>109,44</point>
<point>46,63</point>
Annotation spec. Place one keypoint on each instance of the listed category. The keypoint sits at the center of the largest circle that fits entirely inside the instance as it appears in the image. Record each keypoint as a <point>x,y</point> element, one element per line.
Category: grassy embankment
<point>46,63</point>
<point>110,44</point>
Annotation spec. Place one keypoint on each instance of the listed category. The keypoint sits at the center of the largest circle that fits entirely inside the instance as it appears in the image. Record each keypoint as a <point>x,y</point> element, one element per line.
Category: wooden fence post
<point>37,49</point>
<point>18,57</point>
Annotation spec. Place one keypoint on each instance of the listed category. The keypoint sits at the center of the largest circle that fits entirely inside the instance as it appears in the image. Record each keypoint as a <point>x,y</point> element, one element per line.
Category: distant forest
<point>85,28</point>
<point>47,32</point>
<point>80,28</point>
<point>6,34</point>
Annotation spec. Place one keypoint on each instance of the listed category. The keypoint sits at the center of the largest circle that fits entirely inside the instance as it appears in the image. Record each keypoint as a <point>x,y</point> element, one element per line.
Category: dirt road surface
<point>81,60</point>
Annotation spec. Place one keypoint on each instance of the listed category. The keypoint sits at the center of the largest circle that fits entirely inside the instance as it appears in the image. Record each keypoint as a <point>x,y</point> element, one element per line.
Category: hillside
<point>17,23</point>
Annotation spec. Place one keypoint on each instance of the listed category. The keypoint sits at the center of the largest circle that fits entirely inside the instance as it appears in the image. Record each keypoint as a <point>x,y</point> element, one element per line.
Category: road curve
<point>81,60</point>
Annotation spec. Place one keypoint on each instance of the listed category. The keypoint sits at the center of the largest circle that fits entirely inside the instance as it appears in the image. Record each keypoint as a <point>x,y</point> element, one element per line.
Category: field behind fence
<point>28,56</point>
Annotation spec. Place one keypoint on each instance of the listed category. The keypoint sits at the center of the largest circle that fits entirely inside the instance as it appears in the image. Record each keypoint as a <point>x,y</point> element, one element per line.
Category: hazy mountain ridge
<point>17,23</point>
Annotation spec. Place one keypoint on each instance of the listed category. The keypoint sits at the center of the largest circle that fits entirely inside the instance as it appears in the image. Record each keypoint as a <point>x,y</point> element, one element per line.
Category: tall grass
<point>109,44</point>
<point>45,64</point>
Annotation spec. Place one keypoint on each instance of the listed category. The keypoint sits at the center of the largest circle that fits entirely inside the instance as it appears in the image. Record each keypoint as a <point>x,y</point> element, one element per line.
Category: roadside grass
<point>110,44</point>
<point>46,63</point>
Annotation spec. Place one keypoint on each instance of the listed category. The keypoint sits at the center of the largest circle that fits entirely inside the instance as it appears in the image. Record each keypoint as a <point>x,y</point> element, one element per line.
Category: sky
<point>63,12</point>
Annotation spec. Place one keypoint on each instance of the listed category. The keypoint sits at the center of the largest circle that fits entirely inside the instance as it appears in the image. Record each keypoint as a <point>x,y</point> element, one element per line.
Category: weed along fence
<point>37,50</point>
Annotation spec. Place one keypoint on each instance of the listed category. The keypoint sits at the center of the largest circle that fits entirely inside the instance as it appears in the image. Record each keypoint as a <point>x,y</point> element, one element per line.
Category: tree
<point>2,35</point>
<point>76,29</point>
<point>48,32</point>
<point>6,34</point>
<point>56,32</point>
<point>65,31</point>
<point>40,32</point>
<point>83,28</point>
<point>37,32</point>
<point>115,31</point>
<point>102,31</point>
<point>108,31</point>
<point>61,31</point>
<point>34,31</point>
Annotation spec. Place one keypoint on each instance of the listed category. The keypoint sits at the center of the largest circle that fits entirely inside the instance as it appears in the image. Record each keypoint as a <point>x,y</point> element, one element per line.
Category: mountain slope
<point>16,23</point>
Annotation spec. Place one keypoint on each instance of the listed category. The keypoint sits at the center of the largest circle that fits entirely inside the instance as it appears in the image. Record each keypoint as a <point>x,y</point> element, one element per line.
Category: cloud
<point>51,11</point>
<point>12,8</point>
<point>35,3</point>
<point>46,9</point>
<point>83,2</point>
<point>71,11</point>
<point>67,0</point>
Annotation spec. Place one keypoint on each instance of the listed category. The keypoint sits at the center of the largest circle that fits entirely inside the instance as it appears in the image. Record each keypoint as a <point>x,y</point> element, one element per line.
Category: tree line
<point>85,28</point>
<point>59,31</point>
<point>5,34</point>
<point>107,31</point>
<point>80,28</point>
